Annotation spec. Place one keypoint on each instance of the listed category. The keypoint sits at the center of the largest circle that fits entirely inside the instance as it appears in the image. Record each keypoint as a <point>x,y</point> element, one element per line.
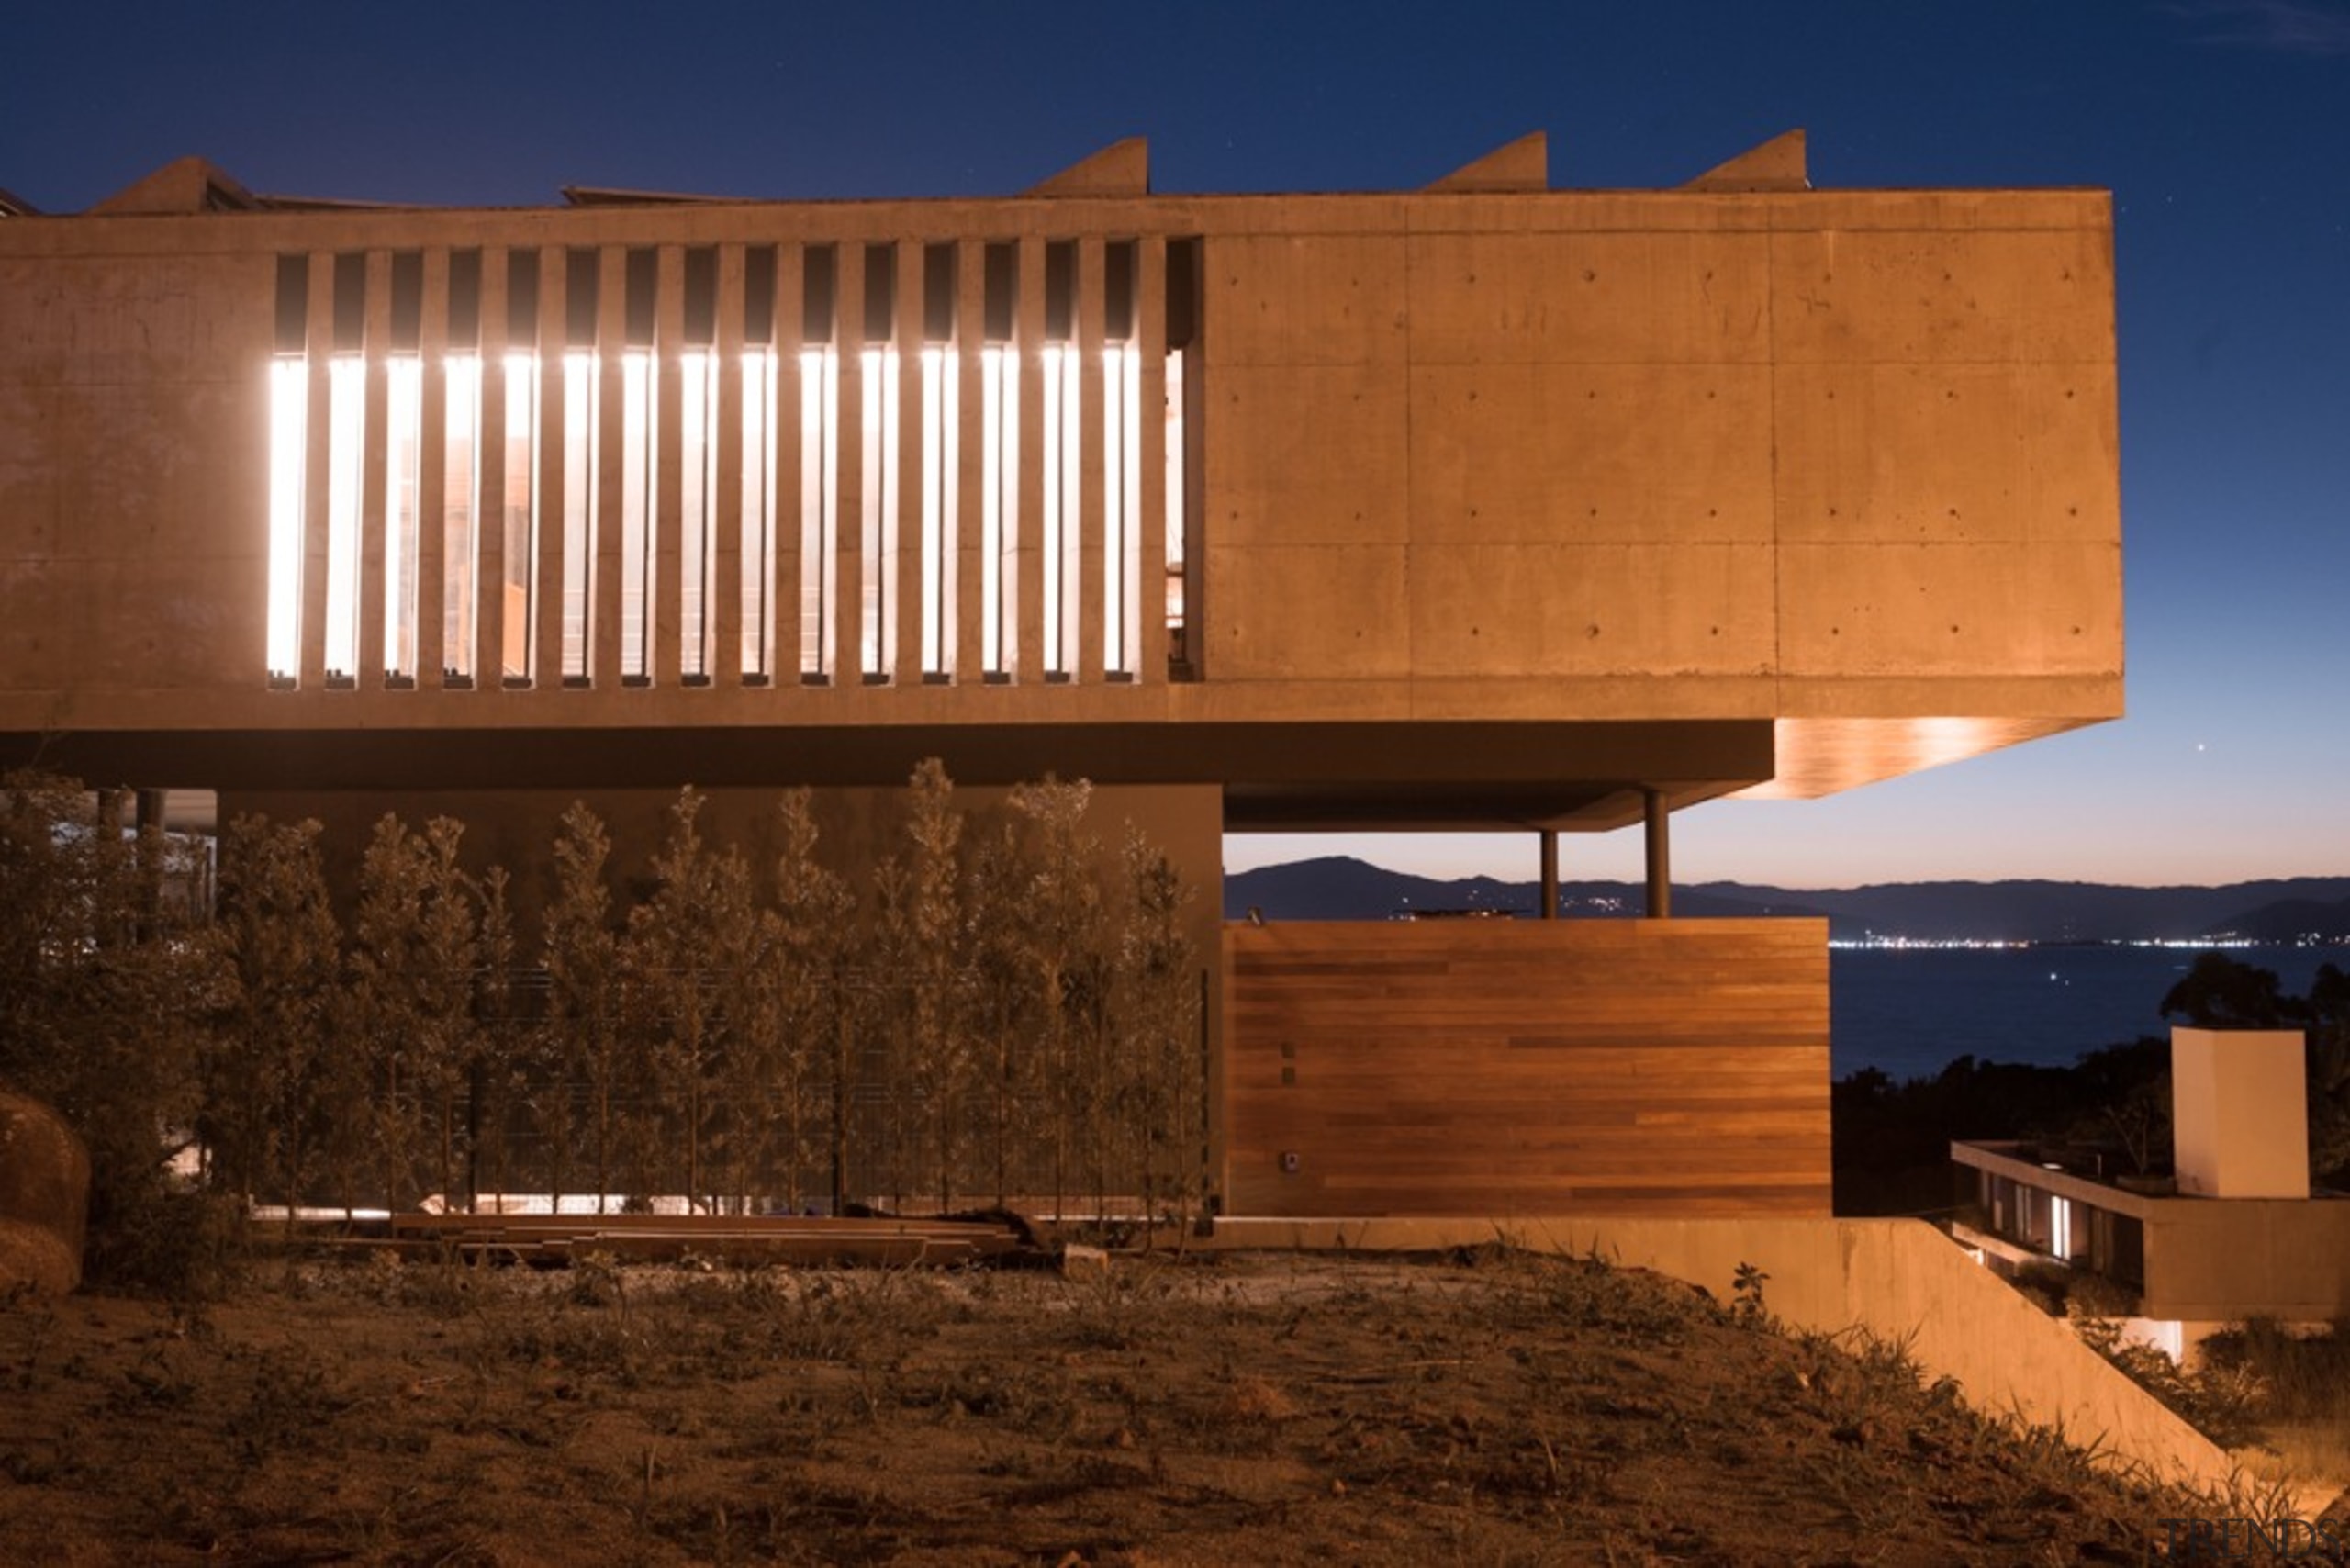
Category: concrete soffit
<point>1521,165</point>
<point>1779,164</point>
<point>1121,169</point>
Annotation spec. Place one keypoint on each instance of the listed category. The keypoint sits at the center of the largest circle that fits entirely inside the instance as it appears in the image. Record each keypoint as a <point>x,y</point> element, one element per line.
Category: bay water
<point>1910,1012</point>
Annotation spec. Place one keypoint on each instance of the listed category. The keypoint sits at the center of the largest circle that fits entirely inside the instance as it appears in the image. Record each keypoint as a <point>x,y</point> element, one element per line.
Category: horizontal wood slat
<point>1527,1068</point>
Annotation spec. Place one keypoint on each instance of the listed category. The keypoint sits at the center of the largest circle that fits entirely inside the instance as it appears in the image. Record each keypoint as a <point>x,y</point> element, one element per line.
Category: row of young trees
<point>1000,1013</point>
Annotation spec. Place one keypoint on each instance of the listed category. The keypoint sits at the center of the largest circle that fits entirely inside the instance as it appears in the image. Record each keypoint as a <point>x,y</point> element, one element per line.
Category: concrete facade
<point>1481,505</point>
<point>1496,504</point>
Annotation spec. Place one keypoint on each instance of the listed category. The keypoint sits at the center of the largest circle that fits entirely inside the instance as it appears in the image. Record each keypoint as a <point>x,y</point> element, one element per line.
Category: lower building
<point>2233,1231</point>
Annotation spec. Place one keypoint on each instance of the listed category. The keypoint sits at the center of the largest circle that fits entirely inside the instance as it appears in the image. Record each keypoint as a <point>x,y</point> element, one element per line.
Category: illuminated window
<point>519,511</point>
<point>579,471</point>
<point>289,420</point>
<point>1061,511</point>
<point>403,455</point>
<point>637,477</point>
<point>1174,481</point>
<point>461,544</point>
<point>759,368</point>
<point>998,509</point>
<point>1120,508</point>
<point>2059,1226</point>
<point>878,527</point>
<point>346,433</point>
<point>941,449</point>
<point>820,506</point>
<point>698,486</point>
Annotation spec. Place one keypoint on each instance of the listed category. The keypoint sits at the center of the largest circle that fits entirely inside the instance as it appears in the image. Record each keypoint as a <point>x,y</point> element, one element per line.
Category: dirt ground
<point>1488,1408</point>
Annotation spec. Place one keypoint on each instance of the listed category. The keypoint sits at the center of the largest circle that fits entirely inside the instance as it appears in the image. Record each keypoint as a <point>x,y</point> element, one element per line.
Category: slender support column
<point>1550,837</point>
<point>1660,837</point>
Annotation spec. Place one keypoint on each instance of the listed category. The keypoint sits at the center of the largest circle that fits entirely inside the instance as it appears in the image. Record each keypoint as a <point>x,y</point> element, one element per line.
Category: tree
<point>1061,959</point>
<point>262,1093</point>
<point>699,921</point>
<point>582,1034</point>
<point>104,984</point>
<point>1164,1091</point>
<point>809,959</point>
<point>2219,992</point>
<point>920,943</point>
<point>504,1035</point>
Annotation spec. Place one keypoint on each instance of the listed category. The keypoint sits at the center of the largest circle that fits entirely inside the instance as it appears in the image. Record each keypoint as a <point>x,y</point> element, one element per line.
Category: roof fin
<point>1121,169</point>
<point>1777,165</point>
<point>1522,165</point>
<point>189,186</point>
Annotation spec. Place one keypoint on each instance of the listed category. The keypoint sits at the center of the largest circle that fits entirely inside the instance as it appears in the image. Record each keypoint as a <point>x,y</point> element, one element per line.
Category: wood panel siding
<point>1509,1068</point>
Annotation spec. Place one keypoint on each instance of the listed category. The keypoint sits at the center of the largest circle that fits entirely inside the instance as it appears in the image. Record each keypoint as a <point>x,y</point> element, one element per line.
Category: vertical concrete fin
<point>1121,169</point>
<point>1521,165</point>
<point>1779,164</point>
<point>191,184</point>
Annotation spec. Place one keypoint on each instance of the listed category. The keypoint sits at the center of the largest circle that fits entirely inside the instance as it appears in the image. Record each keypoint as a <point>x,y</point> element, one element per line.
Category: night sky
<point>2222,127</point>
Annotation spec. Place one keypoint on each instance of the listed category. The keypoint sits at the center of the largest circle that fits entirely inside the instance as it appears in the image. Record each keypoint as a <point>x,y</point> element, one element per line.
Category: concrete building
<point>2232,1231</point>
<point>1482,505</point>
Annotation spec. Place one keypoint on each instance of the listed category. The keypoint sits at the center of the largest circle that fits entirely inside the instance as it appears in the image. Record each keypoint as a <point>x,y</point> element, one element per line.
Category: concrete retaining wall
<point>1900,1280</point>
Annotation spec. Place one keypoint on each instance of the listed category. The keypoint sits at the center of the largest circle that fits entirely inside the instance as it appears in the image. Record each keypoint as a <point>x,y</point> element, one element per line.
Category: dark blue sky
<point>2222,127</point>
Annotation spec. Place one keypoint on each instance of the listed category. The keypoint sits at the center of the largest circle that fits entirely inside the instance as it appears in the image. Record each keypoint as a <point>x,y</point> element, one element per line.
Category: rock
<point>1080,1259</point>
<point>44,1198</point>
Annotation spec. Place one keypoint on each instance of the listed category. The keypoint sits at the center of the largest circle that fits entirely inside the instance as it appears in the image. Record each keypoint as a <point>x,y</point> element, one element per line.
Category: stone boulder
<point>44,1197</point>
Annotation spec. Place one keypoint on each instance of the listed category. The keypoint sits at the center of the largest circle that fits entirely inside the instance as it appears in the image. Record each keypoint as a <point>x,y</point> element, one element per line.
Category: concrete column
<point>665,614</point>
<point>1150,573</point>
<point>1029,330</point>
<point>1089,586</point>
<point>903,593</point>
<point>1660,857</point>
<point>1550,839</point>
<point>318,335</point>
<point>847,587</point>
<point>609,546</point>
<point>791,328</point>
<point>970,346</point>
<point>542,651</point>
<point>432,566</point>
<point>724,614</point>
<point>373,468</point>
<point>489,487</point>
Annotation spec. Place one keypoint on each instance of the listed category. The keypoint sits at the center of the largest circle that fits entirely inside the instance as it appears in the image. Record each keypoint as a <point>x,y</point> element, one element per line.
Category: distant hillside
<point>1343,887</point>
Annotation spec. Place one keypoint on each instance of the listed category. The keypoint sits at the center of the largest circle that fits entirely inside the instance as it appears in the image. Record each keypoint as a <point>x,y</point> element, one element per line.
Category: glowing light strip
<point>698,486</point>
<point>520,514</point>
<point>346,431</point>
<point>579,472</point>
<point>1174,481</point>
<point>998,509</point>
<point>759,370</point>
<point>1129,581</point>
<point>461,529</point>
<point>820,401</point>
<point>878,534</point>
<point>637,479</point>
<point>403,422</point>
<point>289,423</point>
<point>1113,498</point>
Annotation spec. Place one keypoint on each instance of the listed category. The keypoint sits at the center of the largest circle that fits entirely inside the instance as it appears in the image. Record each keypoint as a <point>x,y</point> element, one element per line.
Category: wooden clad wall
<point>1525,1068</point>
